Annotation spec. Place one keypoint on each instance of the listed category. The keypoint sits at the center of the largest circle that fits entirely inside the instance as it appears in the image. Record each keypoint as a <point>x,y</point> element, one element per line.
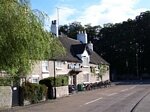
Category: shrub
<point>5,81</point>
<point>8,81</point>
<point>61,80</point>
<point>34,92</point>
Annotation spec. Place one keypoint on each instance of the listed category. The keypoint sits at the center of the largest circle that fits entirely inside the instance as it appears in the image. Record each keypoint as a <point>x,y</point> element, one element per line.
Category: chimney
<point>90,46</point>
<point>82,37</point>
<point>54,28</point>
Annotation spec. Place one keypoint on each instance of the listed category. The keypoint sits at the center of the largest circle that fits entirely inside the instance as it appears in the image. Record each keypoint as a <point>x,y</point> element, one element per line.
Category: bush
<point>5,81</point>
<point>34,92</point>
<point>8,81</point>
<point>61,80</point>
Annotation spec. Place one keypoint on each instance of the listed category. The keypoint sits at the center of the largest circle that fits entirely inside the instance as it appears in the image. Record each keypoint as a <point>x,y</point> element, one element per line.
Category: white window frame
<point>58,64</point>
<point>85,61</point>
<point>45,66</point>
<point>35,78</point>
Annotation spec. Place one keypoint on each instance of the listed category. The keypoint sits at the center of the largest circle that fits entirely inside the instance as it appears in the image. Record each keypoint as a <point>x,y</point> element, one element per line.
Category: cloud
<point>105,11</point>
<point>110,11</point>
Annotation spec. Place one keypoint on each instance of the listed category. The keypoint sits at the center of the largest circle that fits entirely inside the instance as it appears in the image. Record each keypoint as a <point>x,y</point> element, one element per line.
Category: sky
<point>94,12</point>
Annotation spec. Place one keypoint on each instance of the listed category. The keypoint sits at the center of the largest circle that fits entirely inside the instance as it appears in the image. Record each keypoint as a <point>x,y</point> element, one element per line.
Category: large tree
<point>72,29</point>
<point>23,38</point>
<point>125,46</point>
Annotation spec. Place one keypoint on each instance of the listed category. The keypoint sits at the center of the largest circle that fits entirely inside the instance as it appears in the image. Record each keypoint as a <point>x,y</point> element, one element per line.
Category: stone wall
<point>5,97</point>
<point>62,91</point>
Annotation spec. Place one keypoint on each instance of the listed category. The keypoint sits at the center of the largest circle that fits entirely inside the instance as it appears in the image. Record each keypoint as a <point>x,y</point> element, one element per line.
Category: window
<point>58,64</point>
<point>45,66</point>
<point>86,77</point>
<point>35,80</point>
<point>85,61</point>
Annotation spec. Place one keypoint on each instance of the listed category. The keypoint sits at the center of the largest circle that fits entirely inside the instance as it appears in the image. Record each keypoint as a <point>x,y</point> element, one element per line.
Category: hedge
<point>61,80</point>
<point>9,81</point>
<point>5,82</point>
<point>34,93</point>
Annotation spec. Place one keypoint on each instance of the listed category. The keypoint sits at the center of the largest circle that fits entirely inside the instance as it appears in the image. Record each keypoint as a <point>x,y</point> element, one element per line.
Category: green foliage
<point>23,39</point>
<point>72,29</point>
<point>9,81</point>
<point>126,46</point>
<point>4,81</point>
<point>34,92</point>
<point>102,70</point>
<point>61,80</point>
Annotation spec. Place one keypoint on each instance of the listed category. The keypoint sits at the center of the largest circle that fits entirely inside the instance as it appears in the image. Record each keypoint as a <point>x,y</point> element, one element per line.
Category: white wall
<point>37,71</point>
<point>62,91</point>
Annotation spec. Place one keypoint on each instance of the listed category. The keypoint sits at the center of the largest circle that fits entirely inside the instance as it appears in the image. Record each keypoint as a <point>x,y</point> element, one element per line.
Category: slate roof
<point>74,47</point>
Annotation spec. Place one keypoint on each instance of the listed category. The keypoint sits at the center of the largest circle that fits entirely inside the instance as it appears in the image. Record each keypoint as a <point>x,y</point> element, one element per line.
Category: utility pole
<point>58,16</point>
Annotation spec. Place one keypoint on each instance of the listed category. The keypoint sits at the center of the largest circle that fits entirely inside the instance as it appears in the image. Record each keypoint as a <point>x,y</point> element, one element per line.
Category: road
<point>120,98</point>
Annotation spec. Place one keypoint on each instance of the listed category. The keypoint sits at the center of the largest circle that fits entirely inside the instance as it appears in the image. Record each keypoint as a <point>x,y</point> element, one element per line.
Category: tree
<point>72,29</point>
<point>102,70</point>
<point>23,40</point>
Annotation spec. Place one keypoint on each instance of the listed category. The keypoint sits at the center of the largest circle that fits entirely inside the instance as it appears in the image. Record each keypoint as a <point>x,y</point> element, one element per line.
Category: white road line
<point>130,94</point>
<point>112,94</point>
<point>132,87</point>
<point>124,90</point>
<point>93,101</point>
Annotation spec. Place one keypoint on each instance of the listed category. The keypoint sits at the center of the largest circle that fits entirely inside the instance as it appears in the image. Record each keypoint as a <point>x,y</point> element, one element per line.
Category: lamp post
<point>137,66</point>
<point>54,81</point>
<point>137,58</point>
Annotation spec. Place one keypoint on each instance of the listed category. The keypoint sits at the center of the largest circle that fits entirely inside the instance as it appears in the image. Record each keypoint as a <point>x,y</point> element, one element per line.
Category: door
<point>74,80</point>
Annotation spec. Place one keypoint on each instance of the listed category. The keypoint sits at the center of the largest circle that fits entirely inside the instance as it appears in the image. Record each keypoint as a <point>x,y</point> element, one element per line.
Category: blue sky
<point>95,12</point>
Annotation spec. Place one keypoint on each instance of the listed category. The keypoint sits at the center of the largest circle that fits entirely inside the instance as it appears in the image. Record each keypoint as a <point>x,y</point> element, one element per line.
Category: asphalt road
<point>120,98</point>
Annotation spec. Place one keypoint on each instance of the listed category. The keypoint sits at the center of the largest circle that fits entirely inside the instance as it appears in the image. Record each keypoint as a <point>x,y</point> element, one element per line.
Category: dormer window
<point>85,61</point>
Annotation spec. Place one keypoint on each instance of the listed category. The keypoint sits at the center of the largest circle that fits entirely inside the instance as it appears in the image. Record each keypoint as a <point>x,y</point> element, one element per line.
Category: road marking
<point>93,101</point>
<point>112,94</point>
<point>132,87</point>
<point>130,94</point>
<point>124,90</point>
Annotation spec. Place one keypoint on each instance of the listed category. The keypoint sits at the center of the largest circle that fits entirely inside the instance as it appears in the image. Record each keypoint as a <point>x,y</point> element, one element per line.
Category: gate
<point>17,96</point>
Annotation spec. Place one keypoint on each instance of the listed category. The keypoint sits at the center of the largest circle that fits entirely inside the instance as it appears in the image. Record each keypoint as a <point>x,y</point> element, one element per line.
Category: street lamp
<point>137,58</point>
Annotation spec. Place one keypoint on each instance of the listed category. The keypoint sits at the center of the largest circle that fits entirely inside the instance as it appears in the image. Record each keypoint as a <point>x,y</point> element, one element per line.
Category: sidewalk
<point>13,109</point>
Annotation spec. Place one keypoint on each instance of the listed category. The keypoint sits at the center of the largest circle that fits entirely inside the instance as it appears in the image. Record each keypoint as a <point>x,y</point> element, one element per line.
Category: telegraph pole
<point>58,16</point>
